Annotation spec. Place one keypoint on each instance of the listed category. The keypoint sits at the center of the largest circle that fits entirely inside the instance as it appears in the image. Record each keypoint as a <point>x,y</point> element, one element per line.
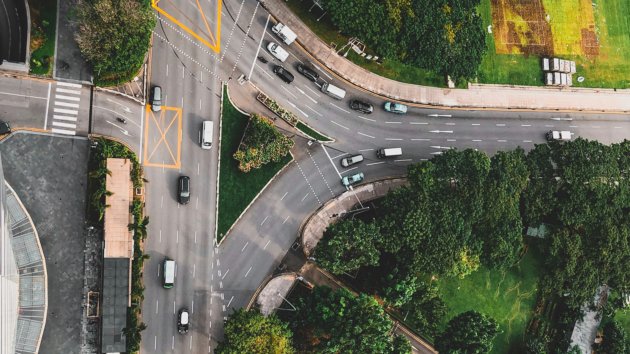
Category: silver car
<point>350,180</point>
<point>351,160</point>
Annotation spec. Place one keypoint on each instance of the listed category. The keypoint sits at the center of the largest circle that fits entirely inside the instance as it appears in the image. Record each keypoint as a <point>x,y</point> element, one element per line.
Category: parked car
<point>360,106</point>
<point>351,160</point>
<point>5,128</point>
<point>283,74</point>
<point>183,321</point>
<point>350,180</point>
<point>156,99</point>
<point>183,190</point>
<point>308,72</point>
<point>394,107</point>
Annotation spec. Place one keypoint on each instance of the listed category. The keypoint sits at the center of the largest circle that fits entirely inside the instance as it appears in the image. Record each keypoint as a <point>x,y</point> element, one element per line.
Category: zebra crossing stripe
<point>56,116</point>
<point>63,90</point>
<point>68,98</point>
<point>64,131</point>
<point>68,84</point>
<point>65,125</point>
<point>66,104</point>
<point>67,111</point>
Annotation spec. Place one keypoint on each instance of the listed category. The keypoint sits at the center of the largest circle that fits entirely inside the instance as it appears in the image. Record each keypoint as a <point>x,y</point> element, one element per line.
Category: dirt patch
<point>519,26</point>
<point>590,43</point>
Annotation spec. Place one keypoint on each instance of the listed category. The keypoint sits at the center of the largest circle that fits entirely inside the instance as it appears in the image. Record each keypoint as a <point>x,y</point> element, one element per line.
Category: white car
<point>563,135</point>
<point>277,51</point>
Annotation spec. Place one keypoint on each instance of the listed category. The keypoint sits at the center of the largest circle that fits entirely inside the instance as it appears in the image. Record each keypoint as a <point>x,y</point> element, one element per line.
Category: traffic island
<point>236,189</point>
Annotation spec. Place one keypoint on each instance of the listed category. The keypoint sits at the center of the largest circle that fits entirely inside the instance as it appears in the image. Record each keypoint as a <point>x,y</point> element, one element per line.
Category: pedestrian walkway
<point>66,102</point>
<point>476,96</point>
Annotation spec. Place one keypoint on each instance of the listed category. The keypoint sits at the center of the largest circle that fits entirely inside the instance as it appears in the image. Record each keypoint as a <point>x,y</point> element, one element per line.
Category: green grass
<point>507,296</point>
<point>312,132</point>
<point>237,189</point>
<point>391,69</point>
<point>623,316</point>
<point>43,27</point>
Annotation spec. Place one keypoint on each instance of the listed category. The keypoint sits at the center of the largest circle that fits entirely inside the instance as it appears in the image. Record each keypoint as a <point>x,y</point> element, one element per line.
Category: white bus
<point>169,273</point>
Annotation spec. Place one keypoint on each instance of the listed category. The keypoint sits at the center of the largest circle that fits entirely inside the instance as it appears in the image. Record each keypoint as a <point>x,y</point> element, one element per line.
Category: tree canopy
<point>330,321</point>
<point>251,332</point>
<point>114,37</point>
<point>467,333</point>
<point>444,36</point>
<point>262,143</point>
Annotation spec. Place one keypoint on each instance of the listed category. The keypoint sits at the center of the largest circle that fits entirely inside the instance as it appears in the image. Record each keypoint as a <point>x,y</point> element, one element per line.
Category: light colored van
<point>169,273</point>
<point>333,91</point>
<point>206,134</point>
<point>277,51</point>
<point>351,160</point>
<point>284,33</point>
<point>389,152</point>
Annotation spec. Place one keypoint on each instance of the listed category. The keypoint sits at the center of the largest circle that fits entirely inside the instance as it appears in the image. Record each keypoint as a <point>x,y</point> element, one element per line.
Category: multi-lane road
<point>212,279</point>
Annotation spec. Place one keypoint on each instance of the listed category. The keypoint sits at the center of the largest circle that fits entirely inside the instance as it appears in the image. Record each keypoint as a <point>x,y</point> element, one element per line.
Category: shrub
<point>261,144</point>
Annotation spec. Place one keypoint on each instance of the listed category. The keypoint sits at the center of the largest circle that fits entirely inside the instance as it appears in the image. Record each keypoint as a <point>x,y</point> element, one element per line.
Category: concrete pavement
<point>476,96</point>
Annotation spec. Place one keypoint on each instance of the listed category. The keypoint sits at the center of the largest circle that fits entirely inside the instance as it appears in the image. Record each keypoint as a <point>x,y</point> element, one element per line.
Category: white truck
<point>563,135</point>
<point>284,33</point>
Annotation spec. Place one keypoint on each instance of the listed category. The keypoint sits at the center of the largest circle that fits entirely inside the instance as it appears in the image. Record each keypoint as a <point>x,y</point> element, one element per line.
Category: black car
<point>5,128</point>
<point>309,73</point>
<point>183,321</point>
<point>283,73</point>
<point>361,106</point>
<point>183,190</point>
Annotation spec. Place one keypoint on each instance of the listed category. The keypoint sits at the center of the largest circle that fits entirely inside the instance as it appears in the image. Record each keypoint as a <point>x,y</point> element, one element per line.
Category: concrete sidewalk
<point>476,96</point>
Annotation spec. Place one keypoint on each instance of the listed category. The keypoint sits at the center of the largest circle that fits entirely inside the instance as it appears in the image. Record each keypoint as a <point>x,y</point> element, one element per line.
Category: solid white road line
<point>259,45</point>
<point>47,105</point>
<point>66,111</point>
<point>350,169</point>
<point>65,125</point>
<point>366,150</point>
<point>68,98</point>
<point>331,161</point>
<point>68,84</point>
<point>19,95</point>
<point>319,114</point>
<point>313,91</point>
<point>63,90</point>
<point>375,163</point>
<point>63,131</point>
<point>289,92</point>
<point>68,118</point>
<point>338,156</point>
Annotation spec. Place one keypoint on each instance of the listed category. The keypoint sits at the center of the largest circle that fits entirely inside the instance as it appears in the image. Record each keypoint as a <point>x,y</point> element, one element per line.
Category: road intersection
<point>212,279</point>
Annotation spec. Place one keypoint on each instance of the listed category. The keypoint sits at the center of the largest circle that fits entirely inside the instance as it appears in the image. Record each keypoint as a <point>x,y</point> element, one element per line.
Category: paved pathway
<point>476,96</point>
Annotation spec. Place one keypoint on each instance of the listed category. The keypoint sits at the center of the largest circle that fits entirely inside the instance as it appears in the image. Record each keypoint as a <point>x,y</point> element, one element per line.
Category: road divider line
<point>350,169</point>
<point>477,140</point>
<point>403,160</point>
<point>341,109</point>
<point>368,119</point>
<point>246,274</point>
<point>451,140</point>
<point>475,124</point>
<point>366,150</point>
<point>304,197</point>
<point>393,122</point>
<point>265,71</point>
<point>265,220</point>
<point>419,123</point>
<point>304,93</point>
<point>309,107</point>
<point>266,244</point>
<point>226,273</point>
<point>526,125</point>
<point>500,125</point>
<point>375,163</point>
<point>157,303</point>
<point>333,122</point>
<point>393,139</point>
<point>338,156</point>
<point>450,123</point>
<point>313,91</point>
<point>331,161</point>
<point>289,92</point>
<point>232,298</point>
<point>285,220</point>
<point>501,141</point>
<point>369,136</point>
<point>284,195</point>
<point>420,139</point>
<point>527,141</point>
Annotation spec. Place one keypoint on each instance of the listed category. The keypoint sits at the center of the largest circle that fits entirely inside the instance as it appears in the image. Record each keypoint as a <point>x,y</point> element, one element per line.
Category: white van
<point>389,152</point>
<point>284,32</point>
<point>333,91</point>
<point>277,51</point>
<point>169,273</point>
<point>206,134</point>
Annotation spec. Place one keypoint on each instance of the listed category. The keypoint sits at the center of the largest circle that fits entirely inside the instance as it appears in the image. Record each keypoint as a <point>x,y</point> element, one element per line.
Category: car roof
<point>184,317</point>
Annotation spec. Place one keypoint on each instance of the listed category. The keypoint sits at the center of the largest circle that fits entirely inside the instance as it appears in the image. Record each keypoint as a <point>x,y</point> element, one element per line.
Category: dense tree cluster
<point>615,340</point>
<point>114,37</point>
<point>262,143</point>
<point>444,36</point>
<point>330,321</point>
<point>463,209</point>
<point>468,333</point>
<point>251,332</point>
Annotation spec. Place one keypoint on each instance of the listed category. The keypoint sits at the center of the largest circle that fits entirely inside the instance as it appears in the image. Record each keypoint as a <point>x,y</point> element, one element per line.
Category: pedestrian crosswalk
<point>67,100</point>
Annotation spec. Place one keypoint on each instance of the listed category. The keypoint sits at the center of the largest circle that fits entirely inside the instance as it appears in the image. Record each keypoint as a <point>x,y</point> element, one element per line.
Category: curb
<point>264,283</point>
<point>334,200</point>
<point>216,202</point>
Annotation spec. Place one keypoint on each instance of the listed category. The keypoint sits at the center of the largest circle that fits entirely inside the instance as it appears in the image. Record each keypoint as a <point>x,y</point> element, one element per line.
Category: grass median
<point>237,189</point>
<point>508,296</point>
<point>43,27</point>
<point>312,132</point>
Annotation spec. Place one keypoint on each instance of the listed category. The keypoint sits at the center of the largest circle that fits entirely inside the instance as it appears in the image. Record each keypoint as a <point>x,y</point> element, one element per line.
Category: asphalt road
<point>13,30</point>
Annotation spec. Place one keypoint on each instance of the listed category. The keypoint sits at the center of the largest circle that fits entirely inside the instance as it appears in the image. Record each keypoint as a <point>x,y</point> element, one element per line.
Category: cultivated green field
<point>596,34</point>
<point>507,296</point>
